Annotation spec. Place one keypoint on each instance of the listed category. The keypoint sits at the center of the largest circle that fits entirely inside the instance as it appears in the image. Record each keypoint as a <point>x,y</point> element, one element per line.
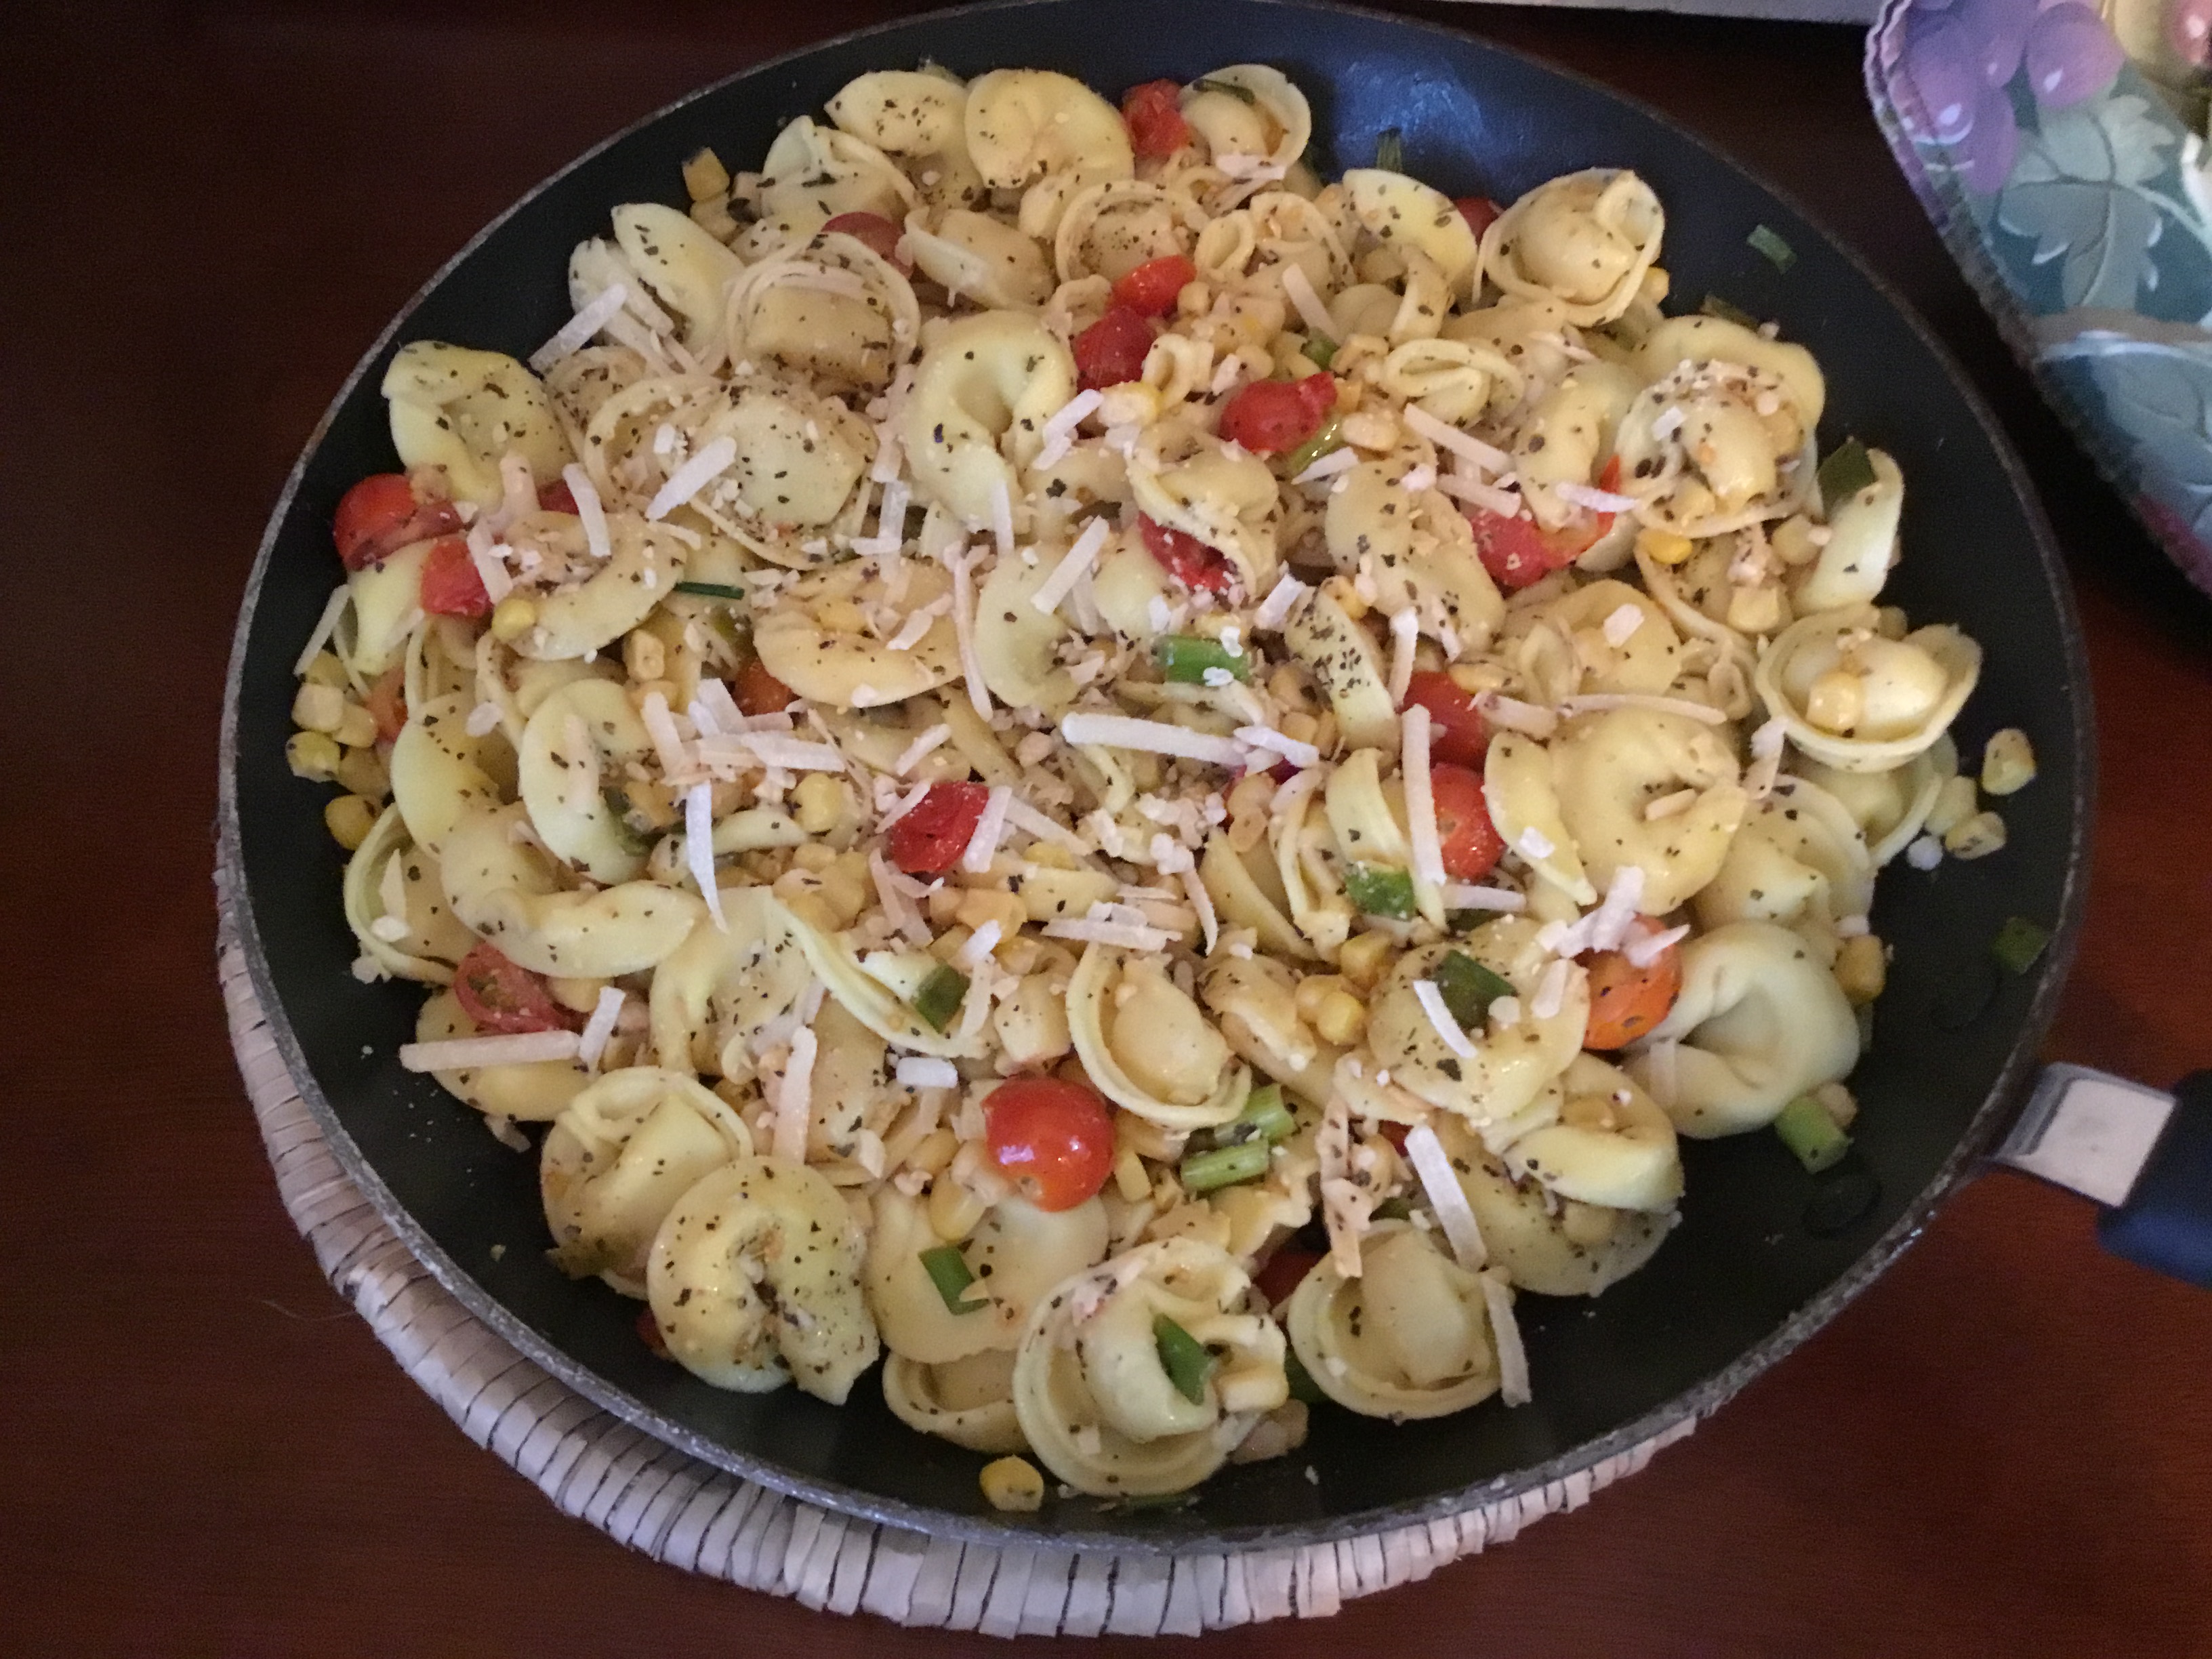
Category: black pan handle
<point>2145,1156</point>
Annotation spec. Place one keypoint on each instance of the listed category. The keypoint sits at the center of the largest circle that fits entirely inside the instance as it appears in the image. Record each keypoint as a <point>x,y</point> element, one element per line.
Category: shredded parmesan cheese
<point>1420,796</point>
<point>971,956</point>
<point>1158,737</point>
<point>1505,1338</point>
<point>491,570</point>
<point>699,846</point>
<point>1598,500</point>
<point>898,909</point>
<point>913,754</point>
<point>1592,702</point>
<point>1129,936</point>
<point>990,829</point>
<point>1405,634</point>
<point>483,719</point>
<point>924,1071</point>
<point>1431,999</point>
<point>522,1048</point>
<point>1533,845</point>
<point>1299,754</point>
<point>1002,519</point>
<point>1445,435</point>
<point>1072,567</point>
<point>1552,991</point>
<point>689,479</point>
<point>1202,901</point>
<point>1026,818</point>
<point>1530,718</point>
<point>589,512</point>
<point>961,566</point>
<point>573,335</point>
<point>1643,952</point>
<point>1466,895</point>
<point>794,1098</point>
<point>1490,499</point>
<point>1298,289</point>
<point>1336,461</point>
<point>1446,1197</point>
<point>325,625</point>
<point>1620,627</point>
<point>601,1025</point>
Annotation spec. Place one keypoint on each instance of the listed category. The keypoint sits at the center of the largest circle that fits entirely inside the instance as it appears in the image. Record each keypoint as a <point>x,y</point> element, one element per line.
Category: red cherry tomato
<point>1150,290</point>
<point>556,497</point>
<point>1112,350</point>
<point>451,586</point>
<point>388,701</point>
<point>1479,211</point>
<point>1285,1270</point>
<point>1516,551</point>
<point>1458,735</point>
<point>1056,1139</point>
<point>648,1332</point>
<point>929,839</point>
<point>1471,845</point>
<point>1626,1001</point>
<point>383,514</point>
<point>499,995</point>
<point>1153,114</point>
<point>1185,557</point>
<point>756,691</point>
<point>1270,416</point>
<point>881,235</point>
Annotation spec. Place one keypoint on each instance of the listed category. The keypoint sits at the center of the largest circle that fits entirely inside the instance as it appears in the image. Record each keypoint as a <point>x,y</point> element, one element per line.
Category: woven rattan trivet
<point>676,1509</point>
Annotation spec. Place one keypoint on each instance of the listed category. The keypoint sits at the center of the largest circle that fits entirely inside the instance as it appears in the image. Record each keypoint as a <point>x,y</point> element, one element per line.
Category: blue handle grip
<point>2166,1222</point>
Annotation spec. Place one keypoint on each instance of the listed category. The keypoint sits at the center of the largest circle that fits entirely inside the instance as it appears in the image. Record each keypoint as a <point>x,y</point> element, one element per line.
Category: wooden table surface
<point>2004,1448</point>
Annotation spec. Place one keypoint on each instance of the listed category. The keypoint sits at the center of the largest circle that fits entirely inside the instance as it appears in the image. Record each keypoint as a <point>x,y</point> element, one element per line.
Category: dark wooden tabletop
<point>2005,1447</point>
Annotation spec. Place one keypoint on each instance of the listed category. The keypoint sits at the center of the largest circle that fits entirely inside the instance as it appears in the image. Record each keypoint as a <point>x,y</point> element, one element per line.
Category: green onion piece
<point>1329,437</point>
<point>1378,891</point>
<point>1808,1130</point>
<point>1303,1387</point>
<point>2019,943</point>
<point>1390,150</point>
<point>1183,1358</point>
<point>949,1271</point>
<point>1394,1209</point>
<point>1845,473</point>
<point>1769,243</point>
<point>1187,658</point>
<point>711,590</point>
<point>1320,352</point>
<point>1243,94</point>
<point>1717,306</point>
<point>617,803</point>
<point>1265,1116</point>
<point>1224,1166</point>
<point>941,995</point>
<point>1469,988</point>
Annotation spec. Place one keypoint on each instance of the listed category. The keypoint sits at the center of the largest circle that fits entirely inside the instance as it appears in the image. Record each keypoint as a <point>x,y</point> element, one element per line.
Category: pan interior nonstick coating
<point>1764,1253</point>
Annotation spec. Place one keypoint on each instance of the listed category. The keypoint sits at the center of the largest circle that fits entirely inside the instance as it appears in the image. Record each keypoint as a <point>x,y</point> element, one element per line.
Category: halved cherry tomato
<point>383,514</point>
<point>451,586</point>
<point>1055,1137</point>
<point>1183,557</point>
<point>500,995</point>
<point>1517,552</point>
<point>1458,735</point>
<point>1480,212</point>
<point>1626,1001</point>
<point>388,701</point>
<point>648,1332</point>
<point>1150,290</point>
<point>1471,845</point>
<point>1269,417</point>
<point>1112,350</point>
<point>929,839</point>
<point>1153,114</point>
<point>881,235</point>
<point>556,497</point>
<point>1285,1270</point>
<point>756,691</point>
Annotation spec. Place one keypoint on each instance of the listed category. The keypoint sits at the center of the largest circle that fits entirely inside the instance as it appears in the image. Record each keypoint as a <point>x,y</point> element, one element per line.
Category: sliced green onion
<point>1390,150</point>
<point>1469,988</point>
<point>1187,658</point>
<point>1330,435</point>
<point>2019,943</point>
<point>1264,1116</point>
<point>1808,1130</point>
<point>1303,1387</point>
<point>1769,243</point>
<point>1717,306</point>
<point>1394,1209</point>
<point>1378,891</point>
<point>1224,1166</point>
<point>1320,352</point>
<point>949,1271</point>
<point>1243,94</point>
<point>1845,473</point>
<point>941,995</point>
<point>1183,1358</point>
<point>711,590</point>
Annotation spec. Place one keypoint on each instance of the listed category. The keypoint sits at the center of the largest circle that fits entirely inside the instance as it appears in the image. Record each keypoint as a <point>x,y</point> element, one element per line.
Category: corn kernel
<point>312,755</point>
<point>1341,589</point>
<point>1838,1102</point>
<point>713,215</point>
<point>1862,968</point>
<point>1364,958</point>
<point>981,904</point>
<point>1372,430</point>
<point>812,909</point>
<point>356,728</point>
<point>1891,623</point>
<point>318,708</point>
<point>1792,540</point>
<point>953,1210</point>
<point>1312,989</point>
<point>1475,678</point>
<point>1587,1224</point>
<point>1664,546</point>
<point>818,801</point>
<point>1341,1018</point>
<point>1013,1485</point>
<point>350,818</point>
<point>646,659</point>
<point>847,892</point>
<point>1755,609</point>
<point>1656,285</point>
<point>514,617</point>
<point>362,771</point>
<point>1129,1177</point>
<point>325,670</point>
<point>579,996</point>
<point>704,175</point>
<point>1976,838</point>
<point>932,1152</point>
<point>1954,805</point>
<point>2007,763</point>
<point>1836,701</point>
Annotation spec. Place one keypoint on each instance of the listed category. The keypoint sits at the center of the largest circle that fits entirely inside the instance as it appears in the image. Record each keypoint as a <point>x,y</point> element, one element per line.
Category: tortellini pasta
<point>1584,241</point>
<point>1408,1337</point>
<point>1860,702</point>
<point>982,395</point>
<point>464,410</point>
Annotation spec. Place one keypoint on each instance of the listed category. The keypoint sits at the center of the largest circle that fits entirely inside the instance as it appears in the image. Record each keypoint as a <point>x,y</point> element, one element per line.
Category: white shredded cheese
<point>601,1025</point>
<point>908,802</point>
<point>689,479</point>
<point>1530,719</point>
<point>1130,936</point>
<point>1072,567</point>
<point>1592,702</point>
<point>1298,289</point>
<point>1002,519</point>
<point>1505,1338</point>
<point>1770,739</point>
<point>1405,634</point>
<point>1418,478</point>
<point>1598,500</point>
<point>919,623</point>
<point>1446,1197</point>
<point>491,568</point>
<point>715,694</point>
<point>521,1048</point>
<point>772,748</point>
<point>926,1072</point>
<point>1667,422</point>
<point>1202,901</point>
<point>1505,1013</point>
<point>1420,796</point>
<point>1608,925</point>
<point>1445,435</point>
<point>1924,853</point>
<point>1851,927</point>
<point>483,719</point>
<point>963,625</point>
<point>794,1098</point>
<point>990,829</point>
<point>1026,818</point>
<point>325,625</point>
<point>1620,627</point>
<point>1534,844</point>
<point>589,511</point>
<point>1431,996</point>
<point>913,754</point>
<point>1466,895</point>
<point>1503,502</point>
<point>661,727</point>
<point>699,846</point>
<point>1275,610</point>
<point>1551,990</point>
<point>898,908</point>
<point>1336,461</point>
<point>1300,754</point>
<point>971,956</point>
<point>1643,952</point>
<point>573,335</point>
<point>1157,737</point>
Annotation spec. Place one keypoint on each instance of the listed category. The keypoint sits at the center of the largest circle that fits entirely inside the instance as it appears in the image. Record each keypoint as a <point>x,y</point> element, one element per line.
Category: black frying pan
<point>1766,1254</point>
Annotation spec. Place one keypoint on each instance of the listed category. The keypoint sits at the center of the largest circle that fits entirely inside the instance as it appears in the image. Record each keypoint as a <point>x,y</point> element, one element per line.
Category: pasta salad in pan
<point>1045,749</point>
